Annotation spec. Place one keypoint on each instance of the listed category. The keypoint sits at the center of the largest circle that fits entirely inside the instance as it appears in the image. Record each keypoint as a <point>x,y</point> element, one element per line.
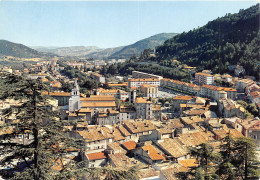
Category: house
<point>164,133</point>
<point>96,140</point>
<point>226,77</point>
<point>97,159</point>
<point>181,100</point>
<point>114,148</point>
<point>108,116</point>
<point>173,149</point>
<point>194,139</point>
<point>143,108</point>
<point>239,70</point>
<point>229,108</point>
<point>120,160</point>
<point>99,78</point>
<point>149,154</point>
<point>251,128</point>
<point>149,90</point>
<point>140,130</point>
<point>126,113</point>
<point>242,84</point>
<point>129,145</point>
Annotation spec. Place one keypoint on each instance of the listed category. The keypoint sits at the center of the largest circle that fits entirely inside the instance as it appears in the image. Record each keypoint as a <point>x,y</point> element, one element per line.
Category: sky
<point>104,23</point>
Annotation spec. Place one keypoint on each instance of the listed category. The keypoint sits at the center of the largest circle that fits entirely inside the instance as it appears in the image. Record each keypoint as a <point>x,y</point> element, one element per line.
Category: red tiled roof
<point>130,145</point>
<point>152,153</point>
<point>95,156</point>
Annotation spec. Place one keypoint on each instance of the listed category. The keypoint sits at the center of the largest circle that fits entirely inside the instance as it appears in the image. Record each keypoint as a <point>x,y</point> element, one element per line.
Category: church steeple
<point>74,101</point>
<point>75,90</point>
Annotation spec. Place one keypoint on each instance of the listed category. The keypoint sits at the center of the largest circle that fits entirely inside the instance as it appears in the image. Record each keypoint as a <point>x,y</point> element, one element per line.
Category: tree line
<point>229,40</point>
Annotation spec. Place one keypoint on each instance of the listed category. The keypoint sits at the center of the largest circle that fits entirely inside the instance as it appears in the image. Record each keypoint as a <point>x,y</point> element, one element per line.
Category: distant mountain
<point>139,46</point>
<point>8,48</point>
<point>105,53</point>
<point>117,52</point>
<point>78,51</point>
<point>229,40</point>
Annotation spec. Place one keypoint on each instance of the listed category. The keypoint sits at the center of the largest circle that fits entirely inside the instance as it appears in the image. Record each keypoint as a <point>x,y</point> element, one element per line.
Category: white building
<point>204,78</point>
<point>74,101</point>
<point>138,82</point>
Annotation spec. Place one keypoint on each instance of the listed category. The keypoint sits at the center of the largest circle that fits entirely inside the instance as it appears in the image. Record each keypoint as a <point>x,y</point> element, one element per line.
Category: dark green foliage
<point>85,82</point>
<point>232,39</point>
<point>110,173</point>
<point>223,83</point>
<point>236,160</point>
<point>35,118</point>
<point>251,109</point>
<point>206,157</point>
<point>131,65</point>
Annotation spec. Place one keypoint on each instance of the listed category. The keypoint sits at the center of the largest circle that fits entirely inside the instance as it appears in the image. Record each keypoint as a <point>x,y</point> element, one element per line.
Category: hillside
<point>104,53</point>
<point>8,48</point>
<point>231,39</point>
<point>78,51</point>
<point>139,46</point>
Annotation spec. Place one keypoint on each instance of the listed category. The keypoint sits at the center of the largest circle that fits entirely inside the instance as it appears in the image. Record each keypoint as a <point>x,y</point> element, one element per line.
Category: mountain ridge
<point>228,40</point>
<point>8,48</point>
<point>147,43</point>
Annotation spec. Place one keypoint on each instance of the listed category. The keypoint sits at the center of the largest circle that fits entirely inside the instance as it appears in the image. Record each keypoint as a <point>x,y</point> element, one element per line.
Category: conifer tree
<point>207,159</point>
<point>40,155</point>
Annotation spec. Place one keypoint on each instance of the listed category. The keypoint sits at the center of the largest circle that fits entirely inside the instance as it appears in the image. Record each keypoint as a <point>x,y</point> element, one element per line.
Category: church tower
<point>74,101</point>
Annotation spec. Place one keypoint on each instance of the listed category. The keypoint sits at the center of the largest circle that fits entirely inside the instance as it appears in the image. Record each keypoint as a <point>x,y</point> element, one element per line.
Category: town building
<point>229,108</point>
<point>62,97</point>
<point>243,83</point>
<point>204,78</point>
<point>216,93</point>
<point>135,83</point>
<point>149,90</point>
<point>118,94</point>
<point>99,78</point>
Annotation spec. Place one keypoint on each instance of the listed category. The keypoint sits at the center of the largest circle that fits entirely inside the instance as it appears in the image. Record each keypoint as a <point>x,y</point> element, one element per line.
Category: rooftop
<point>185,98</point>
<point>98,104</point>
<point>96,156</point>
<point>173,147</point>
<point>142,100</point>
<point>139,126</point>
<point>152,153</point>
<point>129,145</point>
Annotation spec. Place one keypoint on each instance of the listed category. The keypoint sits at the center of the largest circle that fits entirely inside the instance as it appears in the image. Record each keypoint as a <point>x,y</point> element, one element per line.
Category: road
<point>167,93</point>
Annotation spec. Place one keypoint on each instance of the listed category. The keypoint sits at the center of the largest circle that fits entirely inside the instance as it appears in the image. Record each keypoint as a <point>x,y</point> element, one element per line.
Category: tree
<point>226,169</point>
<point>110,173</point>
<point>238,159</point>
<point>35,118</point>
<point>206,158</point>
<point>245,160</point>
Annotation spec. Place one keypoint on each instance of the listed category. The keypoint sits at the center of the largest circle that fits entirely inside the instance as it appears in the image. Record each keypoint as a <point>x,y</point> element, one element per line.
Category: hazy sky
<point>104,24</point>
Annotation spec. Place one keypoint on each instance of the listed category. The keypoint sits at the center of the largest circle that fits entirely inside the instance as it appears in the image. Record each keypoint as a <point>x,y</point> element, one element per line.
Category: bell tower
<point>74,101</point>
